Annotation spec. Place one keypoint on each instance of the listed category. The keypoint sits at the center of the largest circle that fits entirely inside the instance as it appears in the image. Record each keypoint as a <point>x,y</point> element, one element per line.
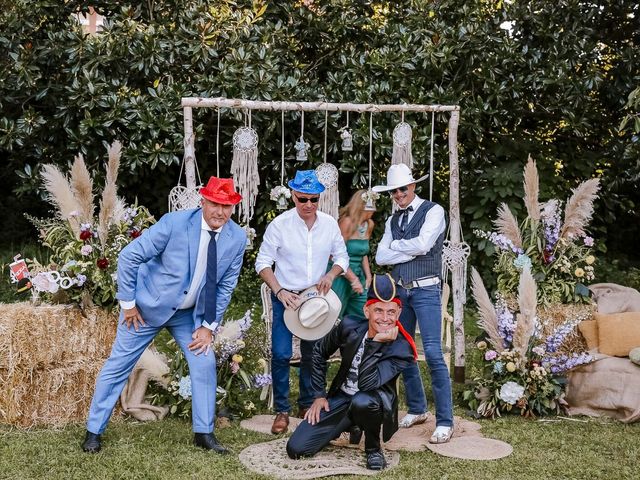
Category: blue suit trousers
<point>127,349</point>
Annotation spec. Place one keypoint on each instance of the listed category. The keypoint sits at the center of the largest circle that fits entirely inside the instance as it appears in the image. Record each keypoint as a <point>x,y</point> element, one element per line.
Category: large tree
<point>548,79</point>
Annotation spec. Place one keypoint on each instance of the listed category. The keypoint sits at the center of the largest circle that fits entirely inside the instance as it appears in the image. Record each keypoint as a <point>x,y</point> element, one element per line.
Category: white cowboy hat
<point>398,176</point>
<point>316,315</point>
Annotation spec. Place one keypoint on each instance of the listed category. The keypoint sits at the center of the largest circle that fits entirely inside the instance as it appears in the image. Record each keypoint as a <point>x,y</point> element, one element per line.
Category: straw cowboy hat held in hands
<point>398,175</point>
<point>315,316</point>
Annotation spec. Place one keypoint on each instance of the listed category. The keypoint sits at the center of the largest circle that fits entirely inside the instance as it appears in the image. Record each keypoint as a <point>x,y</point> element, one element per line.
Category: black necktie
<point>405,218</point>
<point>211,284</point>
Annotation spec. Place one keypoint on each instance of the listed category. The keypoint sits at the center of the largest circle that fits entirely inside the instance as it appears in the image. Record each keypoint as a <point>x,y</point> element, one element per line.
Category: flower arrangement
<point>85,246</point>
<point>524,358</point>
<point>280,195</point>
<point>238,390</point>
<point>555,247</point>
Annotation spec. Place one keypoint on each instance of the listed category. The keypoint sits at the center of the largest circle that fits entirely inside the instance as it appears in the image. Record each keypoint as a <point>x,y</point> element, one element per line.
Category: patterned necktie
<point>405,218</point>
<point>211,283</point>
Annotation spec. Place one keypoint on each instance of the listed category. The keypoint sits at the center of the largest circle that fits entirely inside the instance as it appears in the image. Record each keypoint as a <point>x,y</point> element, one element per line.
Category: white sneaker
<point>410,419</point>
<point>441,435</point>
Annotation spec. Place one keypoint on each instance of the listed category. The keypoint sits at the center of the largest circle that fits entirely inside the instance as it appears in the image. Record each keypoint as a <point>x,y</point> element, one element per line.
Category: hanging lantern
<point>301,148</point>
<point>369,198</point>
<point>347,140</point>
<point>280,195</point>
<point>251,236</point>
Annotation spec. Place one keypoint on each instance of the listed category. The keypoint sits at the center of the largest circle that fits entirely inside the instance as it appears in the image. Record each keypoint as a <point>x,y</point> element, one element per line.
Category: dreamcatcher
<point>327,174</point>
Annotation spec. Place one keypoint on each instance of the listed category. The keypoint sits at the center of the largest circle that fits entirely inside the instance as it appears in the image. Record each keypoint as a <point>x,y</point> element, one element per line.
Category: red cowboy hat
<point>221,190</point>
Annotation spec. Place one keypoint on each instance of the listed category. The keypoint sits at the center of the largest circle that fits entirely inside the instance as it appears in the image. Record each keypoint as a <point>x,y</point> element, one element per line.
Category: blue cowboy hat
<point>306,181</point>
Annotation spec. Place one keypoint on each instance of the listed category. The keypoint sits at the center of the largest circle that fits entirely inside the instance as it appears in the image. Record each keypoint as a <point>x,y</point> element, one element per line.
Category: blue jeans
<point>281,351</point>
<point>423,303</point>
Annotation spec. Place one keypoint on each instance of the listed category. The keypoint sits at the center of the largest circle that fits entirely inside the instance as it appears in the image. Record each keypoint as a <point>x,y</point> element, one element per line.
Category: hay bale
<point>50,356</point>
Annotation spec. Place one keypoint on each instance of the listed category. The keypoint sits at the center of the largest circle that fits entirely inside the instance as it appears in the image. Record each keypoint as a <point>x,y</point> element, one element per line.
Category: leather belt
<point>420,282</point>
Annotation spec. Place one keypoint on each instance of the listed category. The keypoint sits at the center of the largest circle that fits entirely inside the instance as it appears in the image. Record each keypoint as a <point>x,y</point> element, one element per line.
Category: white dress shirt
<point>198,274</point>
<point>392,252</point>
<point>301,254</point>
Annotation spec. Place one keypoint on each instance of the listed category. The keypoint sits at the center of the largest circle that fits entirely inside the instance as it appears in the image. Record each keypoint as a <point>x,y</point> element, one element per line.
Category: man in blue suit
<point>178,275</point>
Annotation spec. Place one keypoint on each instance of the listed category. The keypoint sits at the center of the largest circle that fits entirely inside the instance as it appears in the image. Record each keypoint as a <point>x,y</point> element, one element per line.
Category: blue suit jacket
<point>156,268</point>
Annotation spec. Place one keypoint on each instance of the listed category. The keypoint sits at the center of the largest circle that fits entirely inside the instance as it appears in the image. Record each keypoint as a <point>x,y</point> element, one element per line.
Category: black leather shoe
<point>92,443</point>
<point>355,435</point>
<point>208,441</point>
<point>375,460</point>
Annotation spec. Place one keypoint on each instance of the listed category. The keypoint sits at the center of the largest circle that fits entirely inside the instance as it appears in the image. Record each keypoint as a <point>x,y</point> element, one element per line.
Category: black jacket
<point>380,366</point>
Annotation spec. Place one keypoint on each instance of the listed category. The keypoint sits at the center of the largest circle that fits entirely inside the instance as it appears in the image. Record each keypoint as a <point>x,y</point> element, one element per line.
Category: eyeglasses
<point>401,189</point>
<point>307,199</point>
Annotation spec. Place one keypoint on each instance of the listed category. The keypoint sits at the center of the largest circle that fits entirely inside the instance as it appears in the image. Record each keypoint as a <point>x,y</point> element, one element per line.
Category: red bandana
<point>401,329</point>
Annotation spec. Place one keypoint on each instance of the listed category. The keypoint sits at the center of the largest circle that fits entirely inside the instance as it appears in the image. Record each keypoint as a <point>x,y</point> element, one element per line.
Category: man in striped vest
<point>412,245</point>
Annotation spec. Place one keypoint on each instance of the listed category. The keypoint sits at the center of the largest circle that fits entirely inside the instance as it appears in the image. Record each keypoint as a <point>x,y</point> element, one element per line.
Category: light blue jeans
<point>127,349</point>
<point>424,305</point>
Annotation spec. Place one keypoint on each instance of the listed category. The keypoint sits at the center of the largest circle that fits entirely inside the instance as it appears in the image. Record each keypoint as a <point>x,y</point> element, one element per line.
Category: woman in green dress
<point>356,226</point>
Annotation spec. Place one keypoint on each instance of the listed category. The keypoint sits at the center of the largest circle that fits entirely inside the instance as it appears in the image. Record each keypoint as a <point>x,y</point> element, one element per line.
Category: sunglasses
<point>399,189</point>
<point>307,199</point>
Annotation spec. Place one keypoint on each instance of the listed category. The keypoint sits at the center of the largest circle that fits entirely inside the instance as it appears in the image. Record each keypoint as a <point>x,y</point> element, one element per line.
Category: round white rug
<point>271,458</point>
<point>472,448</point>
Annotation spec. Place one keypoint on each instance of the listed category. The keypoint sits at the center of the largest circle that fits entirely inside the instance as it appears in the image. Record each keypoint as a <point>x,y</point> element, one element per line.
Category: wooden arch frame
<point>457,282</point>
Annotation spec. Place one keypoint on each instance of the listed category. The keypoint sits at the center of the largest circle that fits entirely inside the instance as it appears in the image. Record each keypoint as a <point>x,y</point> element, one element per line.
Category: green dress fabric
<point>352,303</point>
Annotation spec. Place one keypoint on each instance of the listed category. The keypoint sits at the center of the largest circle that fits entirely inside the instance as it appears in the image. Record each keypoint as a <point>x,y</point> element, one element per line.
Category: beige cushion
<point>589,330</point>
<point>618,333</point>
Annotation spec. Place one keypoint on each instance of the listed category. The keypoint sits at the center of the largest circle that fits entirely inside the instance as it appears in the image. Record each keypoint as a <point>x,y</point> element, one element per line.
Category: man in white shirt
<point>412,244</point>
<point>300,242</point>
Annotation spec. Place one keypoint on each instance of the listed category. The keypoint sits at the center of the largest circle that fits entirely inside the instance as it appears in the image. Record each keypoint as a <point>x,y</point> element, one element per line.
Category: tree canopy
<point>550,79</point>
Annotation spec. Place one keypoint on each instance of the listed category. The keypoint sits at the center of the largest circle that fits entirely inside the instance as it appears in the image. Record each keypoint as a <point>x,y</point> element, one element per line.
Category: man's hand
<point>131,316</point>
<point>289,299</point>
<point>388,336</point>
<point>313,414</point>
<point>325,282</point>
<point>367,282</point>
<point>202,340</point>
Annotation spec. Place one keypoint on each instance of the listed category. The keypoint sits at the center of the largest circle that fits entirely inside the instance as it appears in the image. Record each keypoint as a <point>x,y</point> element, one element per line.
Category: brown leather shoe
<point>280,424</point>
<point>302,412</point>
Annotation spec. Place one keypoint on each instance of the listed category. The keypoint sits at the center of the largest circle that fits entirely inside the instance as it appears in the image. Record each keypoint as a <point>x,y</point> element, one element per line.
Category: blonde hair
<point>354,210</point>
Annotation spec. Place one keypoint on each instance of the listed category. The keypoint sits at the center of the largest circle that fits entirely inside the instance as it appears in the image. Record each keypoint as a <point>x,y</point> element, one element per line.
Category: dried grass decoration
<point>49,359</point>
<point>244,169</point>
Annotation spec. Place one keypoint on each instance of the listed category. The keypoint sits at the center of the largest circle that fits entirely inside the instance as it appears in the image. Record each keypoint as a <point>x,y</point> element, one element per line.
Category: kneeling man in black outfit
<point>363,396</point>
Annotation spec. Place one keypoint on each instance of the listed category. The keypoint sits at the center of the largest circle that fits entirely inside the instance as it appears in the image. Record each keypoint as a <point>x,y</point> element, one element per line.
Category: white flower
<point>511,392</point>
<point>279,191</point>
<point>185,387</point>
<point>44,282</point>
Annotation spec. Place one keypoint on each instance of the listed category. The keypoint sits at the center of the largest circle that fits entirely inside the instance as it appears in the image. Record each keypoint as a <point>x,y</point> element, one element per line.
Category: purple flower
<point>262,380</point>
<point>490,355</point>
<point>506,322</point>
<point>86,250</point>
<point>588,241</point>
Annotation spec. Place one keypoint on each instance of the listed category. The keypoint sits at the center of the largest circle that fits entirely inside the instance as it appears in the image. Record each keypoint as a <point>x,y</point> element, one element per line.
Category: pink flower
<point>588,241</point>
<point>86,250</point>
<point>490,355</point>
<point>235,367</point>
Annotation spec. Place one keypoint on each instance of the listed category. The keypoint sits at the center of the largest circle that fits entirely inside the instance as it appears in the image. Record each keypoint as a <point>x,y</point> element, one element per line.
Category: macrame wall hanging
<point>328,176</point>
<point>454,260</point>
<point>281,194</point>
<point>182,197</point>
<point>301,146</point>
<point>369,197</point>
<point>244,169</point>
<point>402,144</point>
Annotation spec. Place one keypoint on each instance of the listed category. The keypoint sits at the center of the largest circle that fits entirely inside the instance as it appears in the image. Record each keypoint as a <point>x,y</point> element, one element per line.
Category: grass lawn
<point>162,450</point>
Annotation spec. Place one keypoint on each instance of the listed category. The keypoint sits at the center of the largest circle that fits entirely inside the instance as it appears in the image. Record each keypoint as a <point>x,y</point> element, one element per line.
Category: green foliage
<point>553,85</point>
